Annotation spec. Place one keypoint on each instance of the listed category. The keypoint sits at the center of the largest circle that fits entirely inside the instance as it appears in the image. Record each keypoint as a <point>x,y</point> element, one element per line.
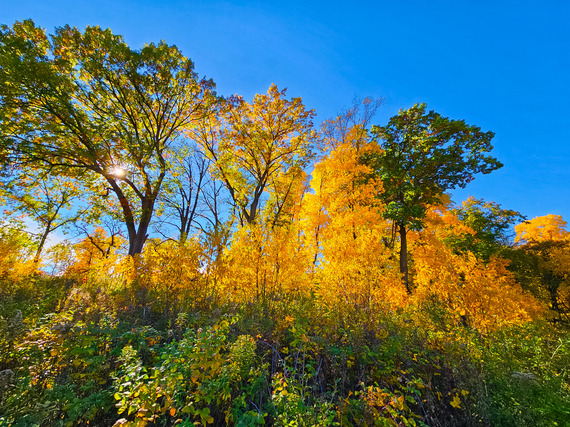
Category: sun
<point>118,172</point>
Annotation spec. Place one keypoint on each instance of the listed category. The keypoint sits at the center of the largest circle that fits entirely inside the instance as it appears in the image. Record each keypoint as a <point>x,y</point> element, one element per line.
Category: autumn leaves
<point>367,229</point>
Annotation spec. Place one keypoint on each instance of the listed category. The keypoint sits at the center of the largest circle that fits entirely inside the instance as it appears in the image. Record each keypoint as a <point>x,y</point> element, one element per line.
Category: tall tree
<point>87,102</point>
<point>252,145</point>
<point>423,155</point>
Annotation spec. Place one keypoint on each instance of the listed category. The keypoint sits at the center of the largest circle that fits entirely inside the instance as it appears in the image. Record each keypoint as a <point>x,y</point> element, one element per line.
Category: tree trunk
<point>404,257</point>
<point>42,244</point>
<point>137,241</point>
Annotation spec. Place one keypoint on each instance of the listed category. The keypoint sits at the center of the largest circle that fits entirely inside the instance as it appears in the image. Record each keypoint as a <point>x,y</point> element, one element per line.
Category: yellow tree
<point>541,261</point>
<point>344,230</point>
<point>95,253</point>
<point>540,229</point>
<point>268,259</point>
<point>350,126</point>
<point>258,146</point>
<point>481,294</point>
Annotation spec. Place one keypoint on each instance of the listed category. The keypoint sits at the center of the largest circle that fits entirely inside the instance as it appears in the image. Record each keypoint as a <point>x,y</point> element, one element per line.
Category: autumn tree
<point>87,103</point>
<point>480,294</point>
<point>254,145</point>
<point>46,201</point>
<point>344,230</point>
<point>423,155</point>
<point>96,247</point>
<point>540,229</point>
<point>541,261</point>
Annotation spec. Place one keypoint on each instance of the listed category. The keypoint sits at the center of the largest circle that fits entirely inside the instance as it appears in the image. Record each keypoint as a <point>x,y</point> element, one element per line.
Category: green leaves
<point>424,155</point>
<point>86,103</point>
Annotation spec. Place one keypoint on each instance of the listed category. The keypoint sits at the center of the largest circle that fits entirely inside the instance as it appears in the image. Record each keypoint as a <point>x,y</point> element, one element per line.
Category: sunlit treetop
<point>541,229</point>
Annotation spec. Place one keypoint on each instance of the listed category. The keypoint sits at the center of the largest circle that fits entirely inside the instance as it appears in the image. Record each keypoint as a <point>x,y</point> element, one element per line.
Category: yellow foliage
<point>456,402</point>
<point>485,295</point>
<point>16,255</point>
<point>344,230</point>
<point>96,253</point>
<point>265,262</point>
<point>173,272</point>
<point>541,228</point>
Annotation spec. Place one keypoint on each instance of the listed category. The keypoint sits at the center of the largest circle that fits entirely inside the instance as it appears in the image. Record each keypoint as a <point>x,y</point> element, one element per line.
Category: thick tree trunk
<point>404,257</point>
<point>138,239</point>
<point>136,245</point>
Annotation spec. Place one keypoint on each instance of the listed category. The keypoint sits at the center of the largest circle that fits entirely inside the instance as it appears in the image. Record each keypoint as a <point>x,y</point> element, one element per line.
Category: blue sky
<point>501,65</point>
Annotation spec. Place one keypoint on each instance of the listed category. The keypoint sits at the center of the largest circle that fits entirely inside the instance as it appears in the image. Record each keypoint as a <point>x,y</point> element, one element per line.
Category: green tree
<point>492,226</point>
<point>423,155</point>
<point>86,103</point>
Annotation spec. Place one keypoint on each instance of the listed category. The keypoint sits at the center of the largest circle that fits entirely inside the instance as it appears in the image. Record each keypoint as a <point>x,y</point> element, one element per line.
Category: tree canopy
<point>86,103</point>
<point>423,155</point>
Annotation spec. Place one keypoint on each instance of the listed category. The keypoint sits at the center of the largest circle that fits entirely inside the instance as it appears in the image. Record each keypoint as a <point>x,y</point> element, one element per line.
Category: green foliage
<point>62,363</point>
<point>199,377</point>
<point>43,199</point>
<point>423,155</point>
<point>303,368</point>
<point>491,224</point>
<point>527,379</point>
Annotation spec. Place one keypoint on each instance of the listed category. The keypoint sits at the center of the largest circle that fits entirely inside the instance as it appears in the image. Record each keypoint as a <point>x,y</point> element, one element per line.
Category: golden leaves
<point>483,295</point>
<point>541,228</point>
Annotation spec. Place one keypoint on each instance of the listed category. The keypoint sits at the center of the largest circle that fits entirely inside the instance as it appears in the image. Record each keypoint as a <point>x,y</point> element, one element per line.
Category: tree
<point>86,103</point>
<point>541,261</point>
<point>182,201</point>
<point>343,231</point>
<point>541,229</point>
<point>423,155</point>
<point>254,145</point>
<point>480,294</point>
<point>43,199</point>
<point>491,225</point>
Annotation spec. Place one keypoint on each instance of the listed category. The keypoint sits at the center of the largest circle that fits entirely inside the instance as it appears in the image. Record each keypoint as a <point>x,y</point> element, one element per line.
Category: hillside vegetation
<point>230,264</point>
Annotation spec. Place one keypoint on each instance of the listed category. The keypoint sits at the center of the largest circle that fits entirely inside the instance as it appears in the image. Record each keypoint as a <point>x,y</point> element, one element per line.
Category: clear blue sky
<point>501,65</point>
